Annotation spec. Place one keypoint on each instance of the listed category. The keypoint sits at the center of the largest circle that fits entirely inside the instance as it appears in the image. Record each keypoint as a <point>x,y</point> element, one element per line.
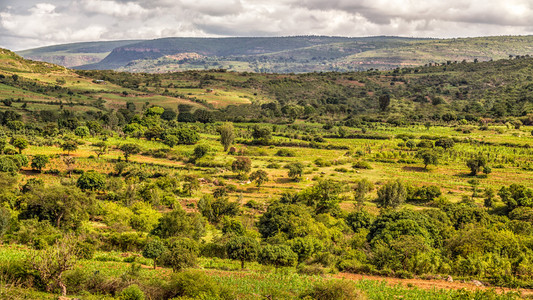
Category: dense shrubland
<point>341,180</point>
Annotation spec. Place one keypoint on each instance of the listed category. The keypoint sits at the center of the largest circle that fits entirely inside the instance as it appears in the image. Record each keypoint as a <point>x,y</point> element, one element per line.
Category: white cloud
<point>113,8</point>
<point>32,23</point>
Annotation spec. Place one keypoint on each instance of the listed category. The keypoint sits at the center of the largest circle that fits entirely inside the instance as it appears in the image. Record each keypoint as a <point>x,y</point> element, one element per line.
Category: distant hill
<point>76,54</point>
<point>296,54</point>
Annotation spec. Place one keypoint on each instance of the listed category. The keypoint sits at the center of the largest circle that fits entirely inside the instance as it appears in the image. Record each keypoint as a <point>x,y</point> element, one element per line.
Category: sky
<point>28,24</point>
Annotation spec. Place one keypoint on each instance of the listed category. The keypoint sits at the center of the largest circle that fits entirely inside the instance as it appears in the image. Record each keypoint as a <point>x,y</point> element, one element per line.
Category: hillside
<point>76,54</point>
<point>216,184</point>
<point>278,54</point>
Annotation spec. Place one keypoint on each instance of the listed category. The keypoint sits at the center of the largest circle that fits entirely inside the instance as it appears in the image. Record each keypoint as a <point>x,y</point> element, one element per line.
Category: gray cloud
<point>32,23</point>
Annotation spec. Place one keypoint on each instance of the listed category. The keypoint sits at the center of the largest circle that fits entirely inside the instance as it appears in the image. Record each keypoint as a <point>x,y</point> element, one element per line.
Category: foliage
<point>392,194</point>
<point>242,248</point>
<point>91,180</point>
<point>178,223</point>
<point>260,177</point>
<point>214,209</point>
<point>52,262</point>
<point>129,149</point>
<point>278,256</point>
<point>227,135</point>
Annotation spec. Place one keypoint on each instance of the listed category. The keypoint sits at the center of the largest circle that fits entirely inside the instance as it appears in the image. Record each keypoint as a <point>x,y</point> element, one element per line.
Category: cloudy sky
<point>32,23</point>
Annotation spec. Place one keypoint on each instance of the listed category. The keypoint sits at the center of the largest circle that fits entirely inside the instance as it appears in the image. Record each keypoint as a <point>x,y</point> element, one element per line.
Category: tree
<point>129,149</point>
<point>178,223</point>
<point>214,209</point>
<point>260,177</point>
<point>323,197</point>
<point>384,102</point>
<point>91,180</point>
<point>475,164</point>
<point>201,150</point>
<point>39,161</point>
<point>154,249</point>
<point>241,165</point>
<point>52,262</point>
<point>445,143</point>
<point>203,116</point>
<point>362,187</point>
<point>295,170</point>
<point>82,131</point>
<point>181,253</point>
<point>242,248</point>
<point>101,148</point>
<point>191,184</point>
<point>261,135</point>
<point>227,135</point>
<point>69,161</point>
<point>19,143</point>
<point>392,194</point>
<point>69,146</point>
<point>169,114</point>
<point>64,206</point>
<point>278,256</point>
<point>429,157</point>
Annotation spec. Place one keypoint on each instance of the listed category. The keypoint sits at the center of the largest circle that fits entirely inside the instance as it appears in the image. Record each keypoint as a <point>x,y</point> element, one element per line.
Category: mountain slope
<point>76,54</point>
<point>279,54</point>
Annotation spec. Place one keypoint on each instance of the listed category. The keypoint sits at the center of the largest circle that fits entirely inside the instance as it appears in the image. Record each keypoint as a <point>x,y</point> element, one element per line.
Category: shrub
<point>285,153</point>
<point>392,194</point>
<point>242,248</point>
<point>197,285</point>
<point>362,165</point>
<point>91,180</point>
<point>132,292</point>
<point>335,290</point>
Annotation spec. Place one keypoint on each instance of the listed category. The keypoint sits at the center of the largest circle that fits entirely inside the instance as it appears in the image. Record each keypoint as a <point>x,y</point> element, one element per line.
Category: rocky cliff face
<point>68,61</point>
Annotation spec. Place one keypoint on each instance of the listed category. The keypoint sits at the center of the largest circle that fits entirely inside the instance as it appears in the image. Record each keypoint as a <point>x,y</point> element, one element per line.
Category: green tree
<point>214,209</point>
<point>384,102</point>
<point>261,134</point>
<point>191,184</point>
<point>19,143</point>
<point>429,157</point>
<point>129,149</point>
<point>181,253</point>
<point>296,170</point>
<point>69,146</point>
<point>323,197</point>
<point>260,177</point>
<point>242,248</point>
<point>178,223</point>
<point>476,164</point>
<point>278,256</point>
<point>91,180</point>
<point>242,165</point>
<point>52,262</point>
<point>362,187</point>
<point>201,150</point>
<point>69,161</point>
<point>82,131</point>
<point>64,206</point>
<point>39,161</point>
<point>392,194</point>
<point>154,249</point>
<point>227,135</point>
<point>100,148</point>
<point>445,143</point>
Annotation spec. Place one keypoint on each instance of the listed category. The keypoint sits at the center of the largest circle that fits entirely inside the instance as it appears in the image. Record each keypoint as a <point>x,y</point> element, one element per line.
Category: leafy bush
<point>334,290</point>
<point>132,292</point>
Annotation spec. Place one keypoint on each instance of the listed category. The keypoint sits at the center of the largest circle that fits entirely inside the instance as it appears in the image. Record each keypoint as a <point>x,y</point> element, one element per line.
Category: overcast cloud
<point>33,23</point>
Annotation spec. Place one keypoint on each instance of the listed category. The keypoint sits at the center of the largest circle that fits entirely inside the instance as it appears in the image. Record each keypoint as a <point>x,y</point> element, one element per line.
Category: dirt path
<point>430,284</point>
